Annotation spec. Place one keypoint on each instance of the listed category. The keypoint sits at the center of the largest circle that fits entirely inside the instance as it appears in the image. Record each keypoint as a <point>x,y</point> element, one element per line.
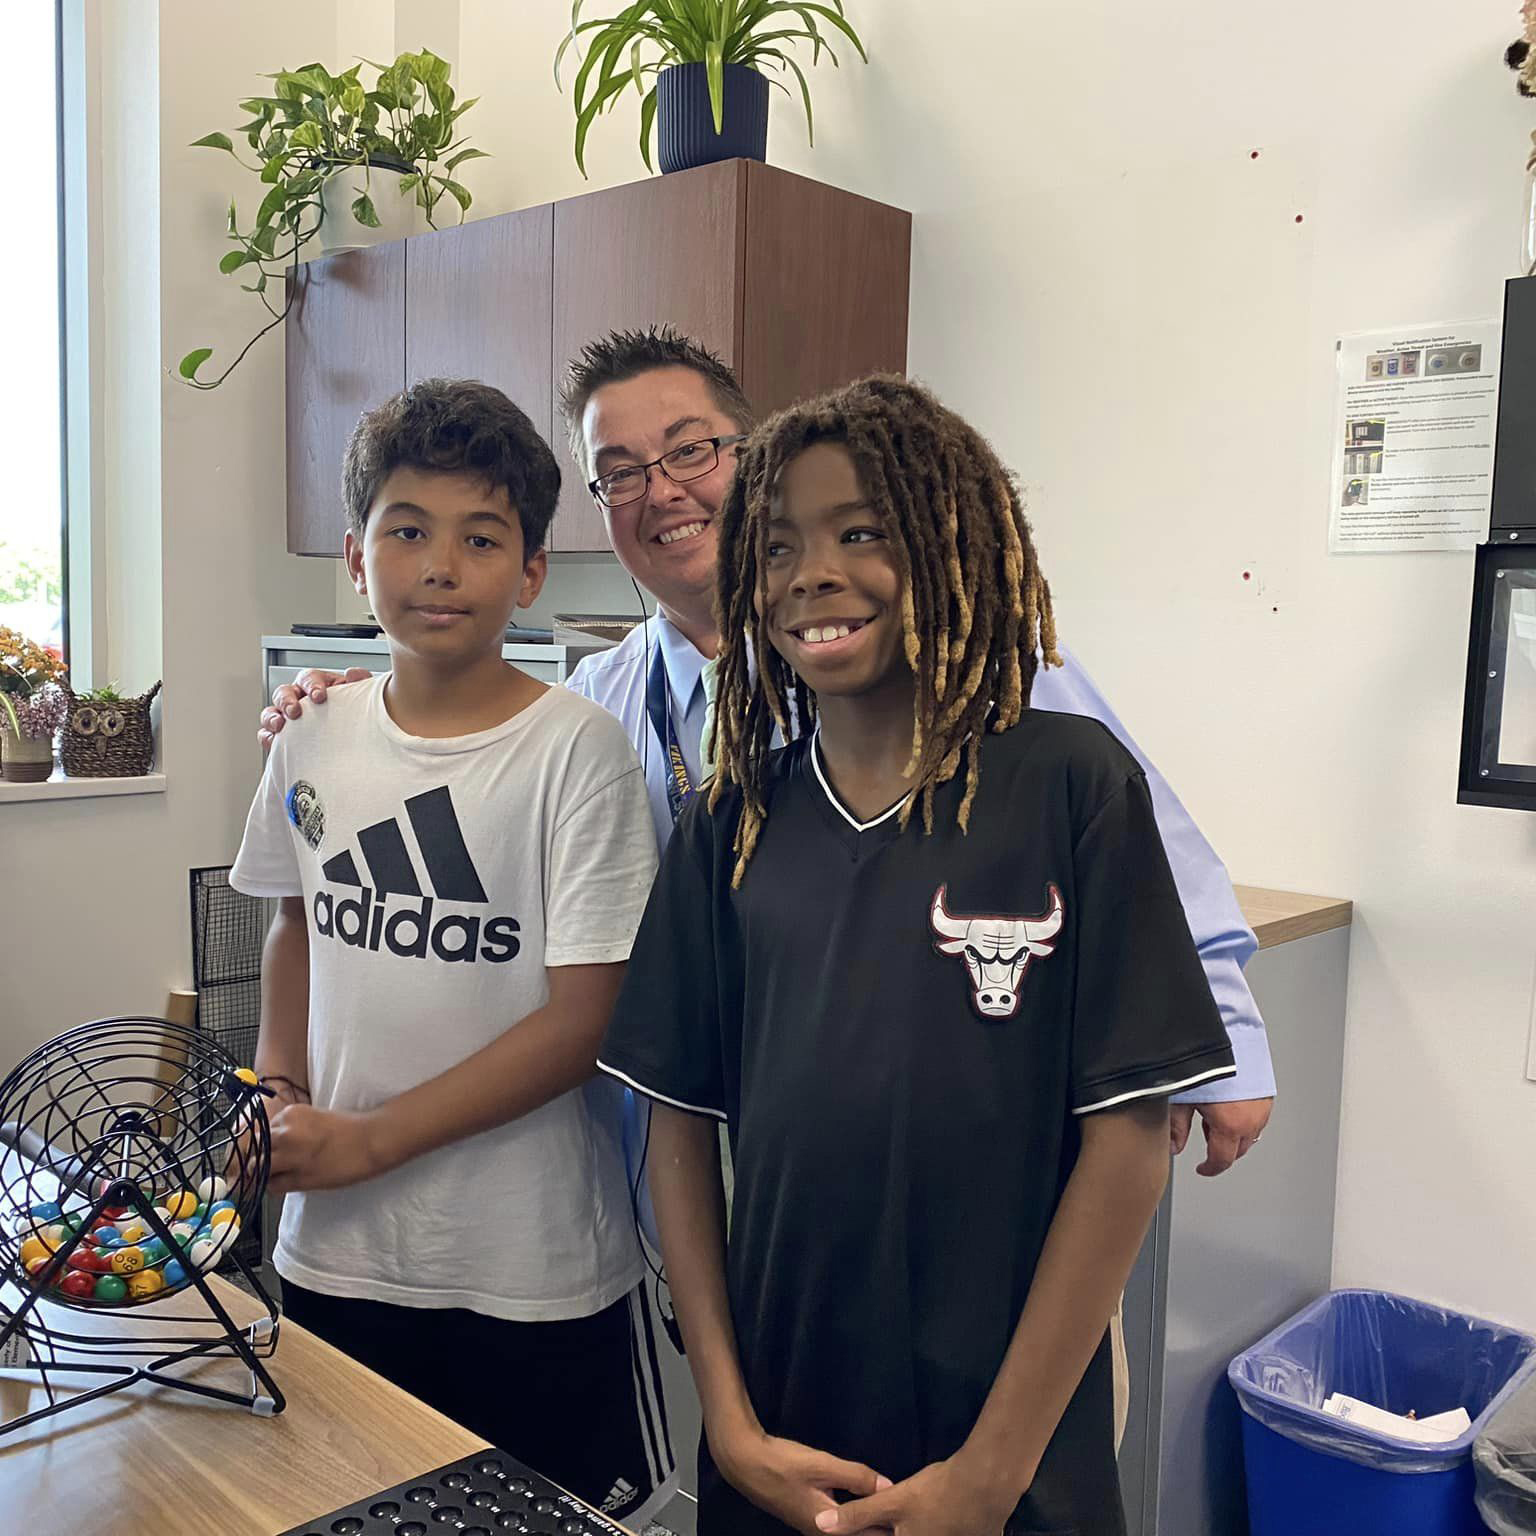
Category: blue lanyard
<point>658,706</point>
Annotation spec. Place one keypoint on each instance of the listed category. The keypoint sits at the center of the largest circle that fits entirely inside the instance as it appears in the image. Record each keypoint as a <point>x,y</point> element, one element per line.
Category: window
<point>33,532</point>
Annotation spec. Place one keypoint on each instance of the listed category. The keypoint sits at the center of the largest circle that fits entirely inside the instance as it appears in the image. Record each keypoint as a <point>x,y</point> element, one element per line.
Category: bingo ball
<point>111,1288</point>
<point>33,1249</point>
<point>181,1205</point>
<point>174,1274</point>
<point>212,1190</point>
<point>79,1284</point>
<point>106,1236</point>
<point>147,1282</point>
<point>127,1261</point>
<point>222,1218</point>
<point>133,1232</point>
<point>208,1251</point>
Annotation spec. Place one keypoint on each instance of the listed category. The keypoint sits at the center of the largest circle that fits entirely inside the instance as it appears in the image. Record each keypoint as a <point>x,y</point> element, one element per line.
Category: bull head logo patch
<point>996,950</point>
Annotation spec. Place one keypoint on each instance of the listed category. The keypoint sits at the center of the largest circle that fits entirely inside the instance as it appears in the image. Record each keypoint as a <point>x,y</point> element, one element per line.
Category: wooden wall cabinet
<point>345,352</point>
<point>798,286</point>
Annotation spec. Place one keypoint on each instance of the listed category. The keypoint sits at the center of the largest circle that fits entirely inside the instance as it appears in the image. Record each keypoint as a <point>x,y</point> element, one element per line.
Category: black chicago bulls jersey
<point>900,1031</point>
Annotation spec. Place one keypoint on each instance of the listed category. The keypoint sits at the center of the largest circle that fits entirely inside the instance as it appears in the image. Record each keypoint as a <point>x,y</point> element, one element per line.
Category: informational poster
<point>1413,432</point>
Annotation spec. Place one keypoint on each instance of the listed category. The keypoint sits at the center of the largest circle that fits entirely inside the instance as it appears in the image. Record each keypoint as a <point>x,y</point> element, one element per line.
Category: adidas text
<point>409,931</point>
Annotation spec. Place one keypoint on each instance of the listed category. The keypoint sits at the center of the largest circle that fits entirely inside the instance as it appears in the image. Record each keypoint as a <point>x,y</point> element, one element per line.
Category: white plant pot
<point>399,214</point>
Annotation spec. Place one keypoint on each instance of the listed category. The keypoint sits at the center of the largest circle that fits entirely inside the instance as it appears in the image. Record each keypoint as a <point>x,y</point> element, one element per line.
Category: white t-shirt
<point>440,878</point>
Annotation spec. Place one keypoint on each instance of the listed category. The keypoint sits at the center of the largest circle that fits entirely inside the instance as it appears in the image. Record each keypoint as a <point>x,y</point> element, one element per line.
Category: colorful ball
<point>82,1258</point>
<point>206,1252</point>
<point>133,1232</point>
<point>127,1261</point>
<point>111,1288</point>
<point>35,1267</point>
<point>106,1236</point>
<point>32,1249</point>
<point>211,1189</point>
<point>79,1284</point>
<point>181,1205</point>
<point>183,1232</point>
<point>153,1250</point>
<point>114,1212</point>
<point>174,1274</point>
<point>145,1283</point>
<point>55,1235</point>
<point>49,1210</point>
<point>223,1218</point>
<point>246,1075</point>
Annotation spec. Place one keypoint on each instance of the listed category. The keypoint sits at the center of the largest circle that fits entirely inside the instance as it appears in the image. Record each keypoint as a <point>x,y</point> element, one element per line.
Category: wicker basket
<point>108,741</point>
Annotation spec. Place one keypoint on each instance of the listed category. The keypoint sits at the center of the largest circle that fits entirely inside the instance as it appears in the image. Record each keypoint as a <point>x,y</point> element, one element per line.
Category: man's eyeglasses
<point>688,461</point>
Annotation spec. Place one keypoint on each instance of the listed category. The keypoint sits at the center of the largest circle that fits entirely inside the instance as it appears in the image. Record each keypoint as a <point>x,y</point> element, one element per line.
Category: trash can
<point>1311,1471</point>
<point>1504,1464</point>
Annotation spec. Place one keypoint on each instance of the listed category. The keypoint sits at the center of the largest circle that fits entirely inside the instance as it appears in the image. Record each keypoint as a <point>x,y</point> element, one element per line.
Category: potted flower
<point>706,61</point>
<point>342,165</point>
<point>32,707</point>
<point>1521,57</point>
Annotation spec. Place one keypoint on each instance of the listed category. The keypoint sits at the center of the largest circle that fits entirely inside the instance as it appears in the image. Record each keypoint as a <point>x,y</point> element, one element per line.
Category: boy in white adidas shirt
<point>462,856</point>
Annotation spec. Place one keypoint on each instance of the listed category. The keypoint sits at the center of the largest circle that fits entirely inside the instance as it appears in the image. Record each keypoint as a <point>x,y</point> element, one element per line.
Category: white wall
<point>1109,283</point>
<point>1107,280</point>
<point>93,893</point>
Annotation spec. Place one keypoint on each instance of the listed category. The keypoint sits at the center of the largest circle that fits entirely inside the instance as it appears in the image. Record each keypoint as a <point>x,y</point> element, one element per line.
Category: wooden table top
<point>1277,917</point>
<point>172,1464</point>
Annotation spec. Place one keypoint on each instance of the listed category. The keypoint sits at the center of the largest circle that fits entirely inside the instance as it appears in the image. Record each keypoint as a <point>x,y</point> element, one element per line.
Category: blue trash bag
<point>1395,1353</point>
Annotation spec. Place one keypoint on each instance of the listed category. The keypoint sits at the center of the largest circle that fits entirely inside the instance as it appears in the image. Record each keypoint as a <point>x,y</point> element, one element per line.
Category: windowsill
<point>60,788</point>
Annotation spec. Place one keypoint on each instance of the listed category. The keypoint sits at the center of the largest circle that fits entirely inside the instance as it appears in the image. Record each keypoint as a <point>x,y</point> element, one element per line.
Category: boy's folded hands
<point>945,1499</point>
<point>794,1482</point>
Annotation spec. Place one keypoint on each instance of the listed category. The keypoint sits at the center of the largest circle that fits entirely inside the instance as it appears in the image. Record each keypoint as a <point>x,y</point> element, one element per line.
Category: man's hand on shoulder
<point>288,699</point>
<point>1230,1130</point>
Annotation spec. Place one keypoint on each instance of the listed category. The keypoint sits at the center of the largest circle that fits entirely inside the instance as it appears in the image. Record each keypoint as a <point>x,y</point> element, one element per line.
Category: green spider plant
<point>649,36</point>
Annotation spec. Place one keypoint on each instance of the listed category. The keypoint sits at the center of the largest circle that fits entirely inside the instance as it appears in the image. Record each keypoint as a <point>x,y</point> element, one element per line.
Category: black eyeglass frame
<point>717,443</point>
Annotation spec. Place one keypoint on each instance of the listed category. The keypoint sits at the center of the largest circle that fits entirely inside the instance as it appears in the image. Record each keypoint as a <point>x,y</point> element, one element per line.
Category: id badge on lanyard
<point>658,706</point>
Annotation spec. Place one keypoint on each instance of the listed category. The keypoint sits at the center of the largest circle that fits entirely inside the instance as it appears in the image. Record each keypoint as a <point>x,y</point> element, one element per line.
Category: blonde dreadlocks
<point>976,610</point>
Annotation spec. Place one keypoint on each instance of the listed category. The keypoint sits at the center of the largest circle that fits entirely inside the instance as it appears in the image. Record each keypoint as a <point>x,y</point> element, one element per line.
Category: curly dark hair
<point>456,426</point>
<point>623,355</point>
<point>976,609</point>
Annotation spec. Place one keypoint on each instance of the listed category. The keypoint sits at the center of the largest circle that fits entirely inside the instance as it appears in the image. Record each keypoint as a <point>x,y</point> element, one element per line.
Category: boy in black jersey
<point>928,964</point>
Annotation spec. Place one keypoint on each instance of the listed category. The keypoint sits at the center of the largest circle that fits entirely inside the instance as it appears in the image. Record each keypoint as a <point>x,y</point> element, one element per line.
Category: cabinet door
<point>825,294</point>
<point>345,340</point>
<point>666,251</point>
<point>477,306</point>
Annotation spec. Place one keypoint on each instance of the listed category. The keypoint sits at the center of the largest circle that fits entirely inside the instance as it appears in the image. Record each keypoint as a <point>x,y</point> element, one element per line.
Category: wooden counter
<point>1277,917</point>
<point>177,1465</point>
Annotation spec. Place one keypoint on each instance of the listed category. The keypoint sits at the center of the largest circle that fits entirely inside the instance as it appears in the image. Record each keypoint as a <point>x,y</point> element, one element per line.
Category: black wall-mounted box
<point>1498,730</point>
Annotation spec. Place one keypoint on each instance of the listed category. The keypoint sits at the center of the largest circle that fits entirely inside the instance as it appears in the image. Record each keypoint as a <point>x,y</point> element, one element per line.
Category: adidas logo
<point>369,921</point>
<point>619,1496</point>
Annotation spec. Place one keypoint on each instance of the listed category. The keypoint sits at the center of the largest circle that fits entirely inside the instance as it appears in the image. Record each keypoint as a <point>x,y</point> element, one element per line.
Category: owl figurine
<point>108,738</point>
